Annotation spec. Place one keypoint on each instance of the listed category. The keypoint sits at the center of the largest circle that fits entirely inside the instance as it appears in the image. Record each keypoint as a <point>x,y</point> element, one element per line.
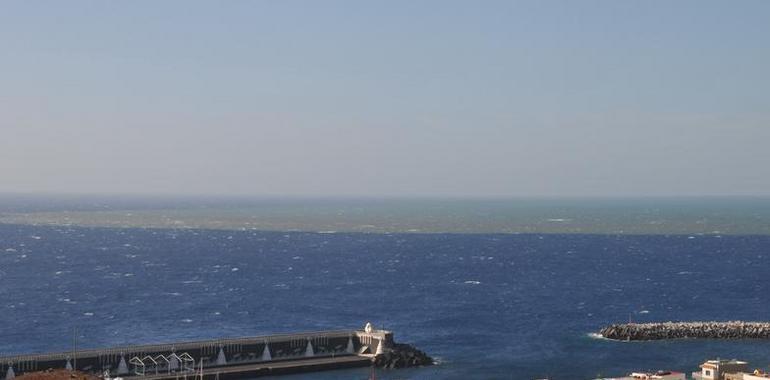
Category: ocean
<point>486,305</point>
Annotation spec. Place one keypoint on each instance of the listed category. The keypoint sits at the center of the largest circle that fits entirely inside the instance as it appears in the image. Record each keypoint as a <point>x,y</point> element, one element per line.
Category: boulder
<point>402,356</point>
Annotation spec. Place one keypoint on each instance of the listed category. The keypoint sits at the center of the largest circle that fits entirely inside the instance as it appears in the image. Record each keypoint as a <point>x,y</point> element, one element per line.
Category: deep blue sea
<point>487,306</point>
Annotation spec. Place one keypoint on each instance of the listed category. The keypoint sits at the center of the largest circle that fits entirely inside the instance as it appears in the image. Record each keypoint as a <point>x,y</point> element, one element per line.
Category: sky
<point>385,98</point>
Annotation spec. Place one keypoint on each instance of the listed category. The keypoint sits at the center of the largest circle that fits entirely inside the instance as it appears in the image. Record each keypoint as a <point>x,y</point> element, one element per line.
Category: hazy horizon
<point>617,216</point>
<point>397,99</point>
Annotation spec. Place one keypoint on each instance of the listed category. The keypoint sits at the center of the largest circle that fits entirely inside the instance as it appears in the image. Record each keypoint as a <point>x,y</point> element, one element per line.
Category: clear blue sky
<point>393,98</point>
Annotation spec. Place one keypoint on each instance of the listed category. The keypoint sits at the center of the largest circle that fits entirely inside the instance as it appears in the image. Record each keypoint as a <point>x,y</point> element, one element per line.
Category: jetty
<point>224,359</point>
<point>681,330</point>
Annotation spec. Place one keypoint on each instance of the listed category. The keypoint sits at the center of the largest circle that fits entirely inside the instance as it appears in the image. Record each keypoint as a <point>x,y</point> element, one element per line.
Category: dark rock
<point>402,356</point>
<point>678,330</point>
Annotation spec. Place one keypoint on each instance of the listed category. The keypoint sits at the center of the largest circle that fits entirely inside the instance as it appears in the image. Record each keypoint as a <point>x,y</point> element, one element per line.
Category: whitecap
<point>89,314</point>
<point>472,282</point>
<point>234,270</point>
<point>644,312</point>
<point>596,336</point>
<point>187,320</point>
<point>438,360</point>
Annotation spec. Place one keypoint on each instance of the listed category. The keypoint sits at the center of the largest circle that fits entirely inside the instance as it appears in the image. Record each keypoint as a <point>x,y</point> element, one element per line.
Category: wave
<point>597,336</point>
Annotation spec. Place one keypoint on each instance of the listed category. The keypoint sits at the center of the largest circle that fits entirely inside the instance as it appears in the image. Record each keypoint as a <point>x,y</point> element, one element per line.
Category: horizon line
<point>373,197</point>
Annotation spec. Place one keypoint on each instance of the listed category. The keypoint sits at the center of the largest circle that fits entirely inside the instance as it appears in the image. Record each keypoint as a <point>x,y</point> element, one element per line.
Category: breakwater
<point>226,358</point>
<point>401,356</point>
<point>680,330</point>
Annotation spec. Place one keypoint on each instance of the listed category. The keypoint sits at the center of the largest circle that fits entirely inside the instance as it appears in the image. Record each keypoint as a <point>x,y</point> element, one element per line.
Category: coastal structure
<point>677,330</point>
<point>728,370</point>
<point>720,369</point>
<point>222,358</point>
<point>756,375</point>
<point>659,375</point>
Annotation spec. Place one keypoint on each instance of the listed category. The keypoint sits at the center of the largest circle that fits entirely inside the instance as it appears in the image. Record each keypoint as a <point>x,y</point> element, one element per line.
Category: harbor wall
<point>680,330</point>
<point>186,357</point>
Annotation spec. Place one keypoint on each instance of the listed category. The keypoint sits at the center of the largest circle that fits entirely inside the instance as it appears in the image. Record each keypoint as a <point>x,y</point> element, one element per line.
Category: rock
<point>402,356</point>
<point>678,330</point>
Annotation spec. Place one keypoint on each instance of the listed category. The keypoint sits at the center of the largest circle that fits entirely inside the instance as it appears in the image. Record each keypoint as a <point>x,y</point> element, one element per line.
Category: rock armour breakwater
<point>679,330</point>
<point>402,356</point>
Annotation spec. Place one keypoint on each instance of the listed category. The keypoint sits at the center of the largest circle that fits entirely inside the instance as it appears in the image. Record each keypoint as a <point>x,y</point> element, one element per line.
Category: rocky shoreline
<point>679,330</point>
<point>402,356</point>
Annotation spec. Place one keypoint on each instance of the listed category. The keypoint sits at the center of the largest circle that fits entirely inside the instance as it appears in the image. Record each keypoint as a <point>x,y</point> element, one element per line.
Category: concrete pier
<point>678,330</point>
<point>218,358</point>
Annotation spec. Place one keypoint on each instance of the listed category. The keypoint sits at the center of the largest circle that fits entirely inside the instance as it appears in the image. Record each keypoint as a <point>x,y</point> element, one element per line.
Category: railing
<point>170,347</point>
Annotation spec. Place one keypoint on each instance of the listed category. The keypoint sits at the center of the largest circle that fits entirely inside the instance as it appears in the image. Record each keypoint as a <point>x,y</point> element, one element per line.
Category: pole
<point>74,348</point>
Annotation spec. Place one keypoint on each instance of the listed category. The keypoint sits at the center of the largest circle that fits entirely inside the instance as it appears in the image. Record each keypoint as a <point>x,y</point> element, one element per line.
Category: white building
<point>660,375</point>
<point>718,369</point>
<point>756,375</point>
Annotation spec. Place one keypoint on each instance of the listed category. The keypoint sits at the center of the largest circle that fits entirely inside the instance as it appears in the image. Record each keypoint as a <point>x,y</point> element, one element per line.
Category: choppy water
<point>489,306</point>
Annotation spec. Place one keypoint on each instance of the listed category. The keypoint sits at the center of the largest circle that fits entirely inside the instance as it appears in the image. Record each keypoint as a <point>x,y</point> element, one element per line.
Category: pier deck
<point>219,358</point>
<point>272,368</point>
